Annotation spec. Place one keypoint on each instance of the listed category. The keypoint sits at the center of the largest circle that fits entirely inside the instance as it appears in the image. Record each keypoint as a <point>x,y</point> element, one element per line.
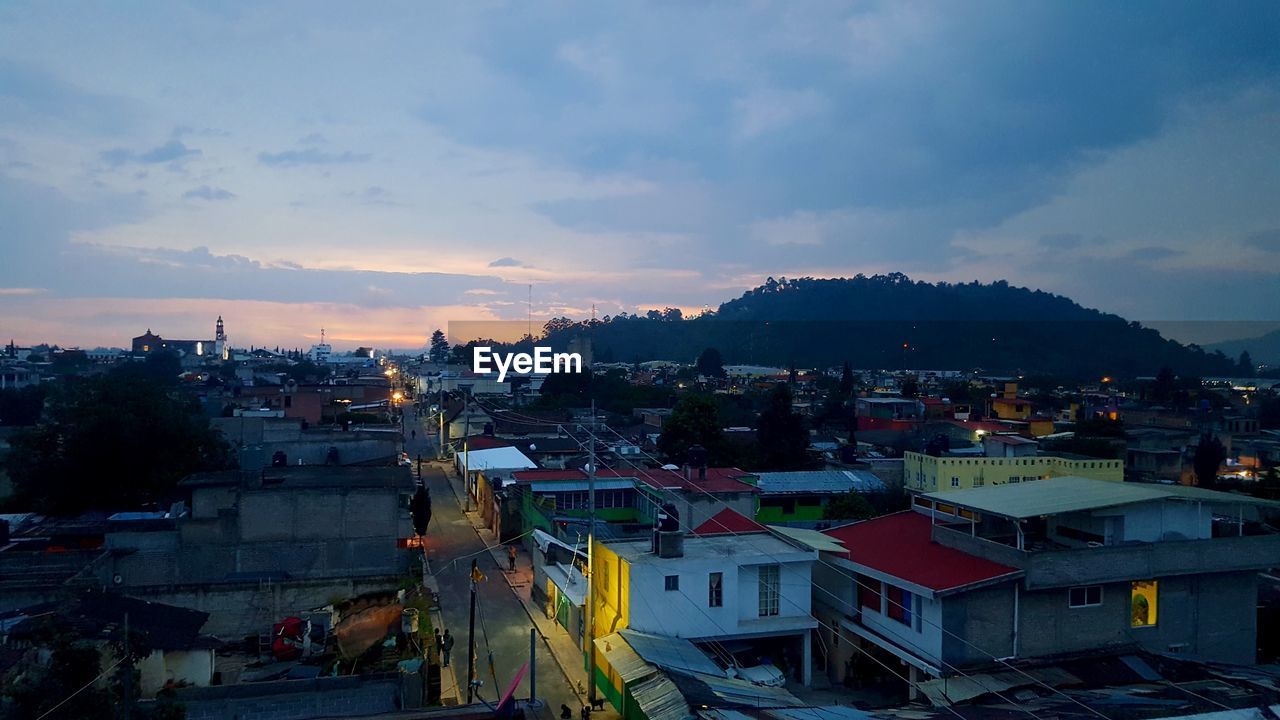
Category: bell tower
<point>220,340</point>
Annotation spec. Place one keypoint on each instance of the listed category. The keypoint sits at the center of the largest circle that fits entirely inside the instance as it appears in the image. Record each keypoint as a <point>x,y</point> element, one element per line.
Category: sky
<point>382,169</point>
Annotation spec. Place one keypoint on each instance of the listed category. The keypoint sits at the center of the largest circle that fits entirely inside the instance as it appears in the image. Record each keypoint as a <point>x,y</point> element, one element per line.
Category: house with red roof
<point>1059,566</point>
<point>893,590</point>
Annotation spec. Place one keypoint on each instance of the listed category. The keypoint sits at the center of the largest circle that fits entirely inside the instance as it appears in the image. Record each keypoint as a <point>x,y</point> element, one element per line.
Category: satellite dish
<point>669,466</point>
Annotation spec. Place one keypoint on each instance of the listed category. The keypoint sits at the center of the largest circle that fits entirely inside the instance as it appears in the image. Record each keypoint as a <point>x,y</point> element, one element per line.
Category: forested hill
<point>893,322</point>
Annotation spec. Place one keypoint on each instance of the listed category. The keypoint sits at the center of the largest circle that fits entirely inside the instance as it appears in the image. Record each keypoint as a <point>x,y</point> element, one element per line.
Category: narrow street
<point>502,622</point>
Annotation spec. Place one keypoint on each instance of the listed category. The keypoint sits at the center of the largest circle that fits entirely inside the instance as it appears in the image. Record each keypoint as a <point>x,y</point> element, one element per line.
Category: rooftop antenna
<point>321,336</point>
<point>530,330</point>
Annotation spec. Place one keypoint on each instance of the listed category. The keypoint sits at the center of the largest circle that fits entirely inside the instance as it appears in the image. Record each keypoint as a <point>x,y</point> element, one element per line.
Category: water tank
<point>409,621</point>
<point>670,544</point>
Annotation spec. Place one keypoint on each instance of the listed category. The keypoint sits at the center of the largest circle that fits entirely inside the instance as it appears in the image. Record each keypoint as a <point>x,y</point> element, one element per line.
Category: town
<point>574,360</point>
<point>365,533</point>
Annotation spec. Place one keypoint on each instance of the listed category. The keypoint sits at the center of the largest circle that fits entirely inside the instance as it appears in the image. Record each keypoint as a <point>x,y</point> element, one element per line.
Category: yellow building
<point>928,473</point>
<point>610,585</point>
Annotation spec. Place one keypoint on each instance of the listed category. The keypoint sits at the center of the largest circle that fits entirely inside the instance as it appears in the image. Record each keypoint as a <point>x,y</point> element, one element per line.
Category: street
<point>502,623</point>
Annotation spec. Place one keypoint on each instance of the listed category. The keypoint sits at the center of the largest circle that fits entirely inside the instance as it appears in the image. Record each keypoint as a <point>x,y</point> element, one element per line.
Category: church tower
<point>220,340</point>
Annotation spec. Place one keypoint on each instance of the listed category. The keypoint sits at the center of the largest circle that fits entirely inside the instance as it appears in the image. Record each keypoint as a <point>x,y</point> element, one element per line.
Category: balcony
<point>1117,563</point>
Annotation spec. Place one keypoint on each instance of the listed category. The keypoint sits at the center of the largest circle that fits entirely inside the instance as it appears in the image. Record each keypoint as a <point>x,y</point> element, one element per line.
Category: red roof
<point>485,442</point>
<point>901,545</point>
<point>717,480</point>
<point>543,475</point>
<point>728,521</point>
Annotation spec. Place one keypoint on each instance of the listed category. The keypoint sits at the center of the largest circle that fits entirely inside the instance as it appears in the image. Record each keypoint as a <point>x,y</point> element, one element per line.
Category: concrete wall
<point>1212,617</point>
<point>295,699</point>
<point>983,618</point>
<point>237,610</point>
<point>686,613</point>
<point>929,474</point>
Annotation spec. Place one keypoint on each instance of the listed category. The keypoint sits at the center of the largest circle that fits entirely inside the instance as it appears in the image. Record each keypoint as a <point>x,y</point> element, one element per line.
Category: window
<point>770,590</point>
<point>1143,602</point>
<point>1085,596</point>
<point>955,481</point>
<point>868,592</point>
<point>715,590</point>
<point>673,583</point>
<point>899,604</point>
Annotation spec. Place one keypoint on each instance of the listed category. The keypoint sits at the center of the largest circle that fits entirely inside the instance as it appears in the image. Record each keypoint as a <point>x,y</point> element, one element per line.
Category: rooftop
<point>728,520</point>
<point>752,549</point>
<point>819,481</point>
<point>901,545</point>
<point>309,476</point>
<point>1057,495</point>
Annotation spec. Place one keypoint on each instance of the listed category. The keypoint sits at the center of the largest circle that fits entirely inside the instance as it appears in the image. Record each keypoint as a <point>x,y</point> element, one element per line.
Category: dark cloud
<point>506,262</point>
<point>174,151</point>
<point>310,156</point>
<point>1153,253</point>
<point>205,192</point>
<point>1268,240</point>
<point>35,96</point>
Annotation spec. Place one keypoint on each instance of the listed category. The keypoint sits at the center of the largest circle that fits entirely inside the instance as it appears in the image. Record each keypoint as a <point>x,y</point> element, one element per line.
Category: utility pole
<point>466,453</point>
<point>440,416</point>
<point>591,554</point>
<point>127,680</point>
<point>471,635</point>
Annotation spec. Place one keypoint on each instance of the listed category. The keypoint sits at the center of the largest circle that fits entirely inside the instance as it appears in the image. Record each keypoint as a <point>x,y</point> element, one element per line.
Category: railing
<point>1117,563</point>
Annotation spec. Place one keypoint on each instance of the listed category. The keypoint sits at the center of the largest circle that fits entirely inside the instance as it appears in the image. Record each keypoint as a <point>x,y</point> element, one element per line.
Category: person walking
<point>511,558</point>
<point>446,645</point>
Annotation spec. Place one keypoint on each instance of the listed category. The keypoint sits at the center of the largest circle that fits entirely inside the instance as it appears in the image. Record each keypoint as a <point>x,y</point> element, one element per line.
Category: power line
<point>809,611</point>
<point>843,571</point>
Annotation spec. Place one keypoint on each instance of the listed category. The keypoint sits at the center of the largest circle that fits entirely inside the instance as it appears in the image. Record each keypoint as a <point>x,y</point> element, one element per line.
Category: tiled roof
<point>901,545</point>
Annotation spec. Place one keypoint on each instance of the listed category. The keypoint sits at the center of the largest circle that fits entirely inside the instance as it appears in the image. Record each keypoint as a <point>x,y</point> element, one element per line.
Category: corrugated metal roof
<point>819,481</point>
<point>623,659</point>
<point>503,458</point>
<point>1048,497</point>
<point>660,699</point>
<point>1070,494</point>
<point>671,653</point>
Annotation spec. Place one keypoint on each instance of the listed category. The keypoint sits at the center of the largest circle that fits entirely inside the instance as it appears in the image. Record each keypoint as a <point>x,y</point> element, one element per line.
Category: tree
<point>1246,365</point>
<point>439,352</point>
<point>710,363</point>
<point>21,407</point>
<point>108,442</point>
<point>1165,386</point>
<point>845,389</point>
<point>910,387</point>
<point>848,506</point>
<point>1208,458</point>
<point>783,437</point>
<point>694,421</point>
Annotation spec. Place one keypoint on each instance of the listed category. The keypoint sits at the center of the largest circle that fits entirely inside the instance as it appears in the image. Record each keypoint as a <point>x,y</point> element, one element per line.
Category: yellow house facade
<point>929,473</point>
<point>611,593</point>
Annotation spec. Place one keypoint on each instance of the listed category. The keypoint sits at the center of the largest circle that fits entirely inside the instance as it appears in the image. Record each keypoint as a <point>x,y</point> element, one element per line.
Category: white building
<point>730,587</point>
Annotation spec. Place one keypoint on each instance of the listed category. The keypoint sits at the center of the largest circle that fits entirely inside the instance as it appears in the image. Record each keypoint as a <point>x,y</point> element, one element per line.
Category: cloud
<point>205,192</point>
<point>1153,253</point>
<point>174,151</point>
<point>506,262</point>
<point>310,156</point>
<point>1266,240</point>
<point>18,291</point>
